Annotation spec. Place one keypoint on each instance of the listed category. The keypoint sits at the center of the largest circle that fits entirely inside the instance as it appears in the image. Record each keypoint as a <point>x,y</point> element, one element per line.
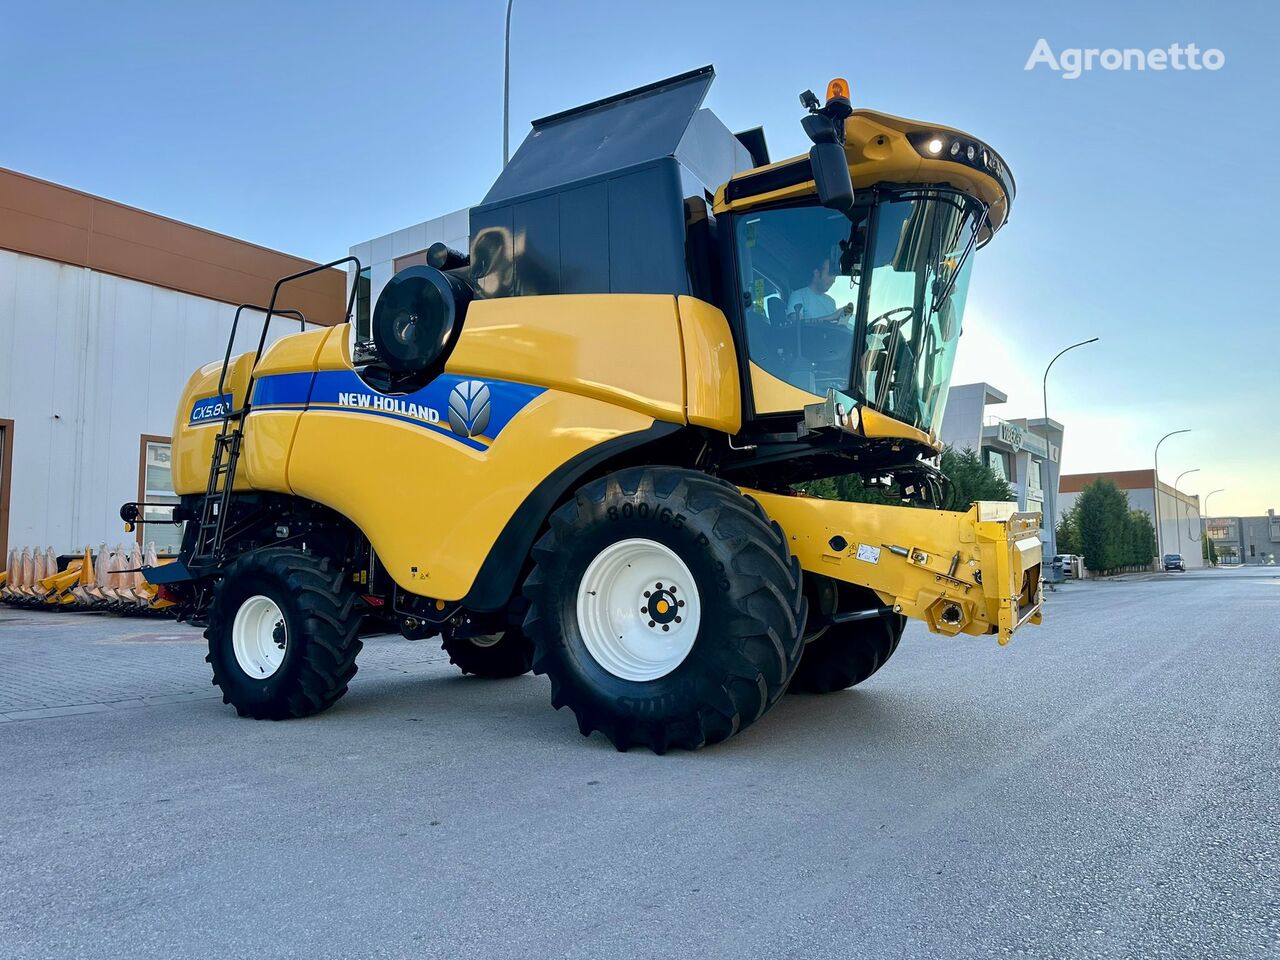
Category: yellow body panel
<point>713,394</point>
<point>772,395</point>
<point>976,572</point>
<point>878,151</point>
<point>877,424</point>
<point>265,462</point>
<point>431,507</point>
<point>297,352</point>
<point>265,465</point>
<point>619,348</point>
<point>193,442</point>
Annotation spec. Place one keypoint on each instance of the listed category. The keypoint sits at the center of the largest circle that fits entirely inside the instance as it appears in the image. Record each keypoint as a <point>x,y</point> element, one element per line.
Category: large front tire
<point>665,608</point>
<point>283,634</point>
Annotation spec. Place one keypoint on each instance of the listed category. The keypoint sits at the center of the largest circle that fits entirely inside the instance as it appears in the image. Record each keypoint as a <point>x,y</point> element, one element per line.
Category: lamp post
<point>506,90</point>
<point>1155,487</point>
<point>1206,499</point>
<point>1204,513</point>
<point>1177,500</point>
<point>1053,499</point>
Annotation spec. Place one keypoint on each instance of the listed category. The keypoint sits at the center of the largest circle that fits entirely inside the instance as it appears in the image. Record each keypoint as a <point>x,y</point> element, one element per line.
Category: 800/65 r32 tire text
<point>665,608</point>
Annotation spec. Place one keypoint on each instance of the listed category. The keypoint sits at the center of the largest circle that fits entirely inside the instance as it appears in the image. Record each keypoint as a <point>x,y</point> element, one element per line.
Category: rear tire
<point>665,608</point>
<point>497,656</point>
<point>845,654</point>
<point>283,634</point>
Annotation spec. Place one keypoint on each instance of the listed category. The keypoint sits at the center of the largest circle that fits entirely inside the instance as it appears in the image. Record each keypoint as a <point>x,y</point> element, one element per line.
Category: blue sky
<point>1145,211</point>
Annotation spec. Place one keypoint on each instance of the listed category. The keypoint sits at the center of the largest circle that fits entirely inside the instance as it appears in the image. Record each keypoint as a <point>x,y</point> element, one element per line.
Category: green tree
<point>1208,551</point>
<point>1068,538</point>
<point>971,480</point>
<point>1142,539</point>
<point>1106,529</point>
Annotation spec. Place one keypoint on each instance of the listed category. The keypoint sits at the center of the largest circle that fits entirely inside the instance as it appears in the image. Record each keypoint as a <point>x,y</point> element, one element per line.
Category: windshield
<point>881,324</point>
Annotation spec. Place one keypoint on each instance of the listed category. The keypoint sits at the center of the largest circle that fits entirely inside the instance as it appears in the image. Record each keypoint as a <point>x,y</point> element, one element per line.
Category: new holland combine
<point>575,447</point>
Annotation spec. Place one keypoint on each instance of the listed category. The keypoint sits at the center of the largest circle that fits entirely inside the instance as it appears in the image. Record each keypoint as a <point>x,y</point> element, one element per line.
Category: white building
<point>1178,524</point>
<point>382,257</point>
<point>1026,453</point>
<point>105,311</point>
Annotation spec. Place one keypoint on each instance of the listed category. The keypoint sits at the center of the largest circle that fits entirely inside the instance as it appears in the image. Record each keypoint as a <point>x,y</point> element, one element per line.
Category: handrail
<point>235,322</point>
<point>271,310</point>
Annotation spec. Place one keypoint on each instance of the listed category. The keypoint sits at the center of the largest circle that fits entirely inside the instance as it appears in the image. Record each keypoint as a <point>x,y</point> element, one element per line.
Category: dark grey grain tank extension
<point>602,198</point>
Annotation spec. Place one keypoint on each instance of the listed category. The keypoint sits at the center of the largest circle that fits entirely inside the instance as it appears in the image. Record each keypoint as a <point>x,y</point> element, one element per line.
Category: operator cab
<point>847,270</point>
<point>867,303</point>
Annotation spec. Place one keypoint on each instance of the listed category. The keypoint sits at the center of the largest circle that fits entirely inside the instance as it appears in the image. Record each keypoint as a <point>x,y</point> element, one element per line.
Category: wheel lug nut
<point>679,603</point>
<point>651,623</point>
<point>646,594</point>
<point>672,588</point>
<point>659,586</point>
<point>666,627</point>
<point>677,619</point>
<point>644,609</point>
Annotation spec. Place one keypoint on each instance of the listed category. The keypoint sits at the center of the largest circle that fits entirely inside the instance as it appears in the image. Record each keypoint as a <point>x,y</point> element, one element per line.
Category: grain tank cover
<point>594,199</point>
<point>604,137</point>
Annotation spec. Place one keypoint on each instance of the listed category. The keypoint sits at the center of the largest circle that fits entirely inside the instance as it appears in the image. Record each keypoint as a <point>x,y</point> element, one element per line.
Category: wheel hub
<point>661,607</point>
<point>638,609</point>
<point>259,637</point>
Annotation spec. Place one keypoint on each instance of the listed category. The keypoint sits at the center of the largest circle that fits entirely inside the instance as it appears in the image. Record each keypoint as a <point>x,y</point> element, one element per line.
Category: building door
<point>6,459</point>
<point>155,486</point>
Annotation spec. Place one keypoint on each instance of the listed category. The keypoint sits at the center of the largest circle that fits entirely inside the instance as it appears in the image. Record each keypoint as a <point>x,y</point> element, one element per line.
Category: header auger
<point>575,447</point>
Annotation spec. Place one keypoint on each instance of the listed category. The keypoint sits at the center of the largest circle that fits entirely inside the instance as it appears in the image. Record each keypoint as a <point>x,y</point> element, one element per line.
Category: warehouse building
<point>1023,452</point>
<point>1245,539</point>
<point>1178,527</point>
<point>105,311</point>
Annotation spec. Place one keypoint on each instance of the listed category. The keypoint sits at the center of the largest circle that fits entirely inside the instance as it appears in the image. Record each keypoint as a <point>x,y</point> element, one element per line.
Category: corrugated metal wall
<point>90,362</point>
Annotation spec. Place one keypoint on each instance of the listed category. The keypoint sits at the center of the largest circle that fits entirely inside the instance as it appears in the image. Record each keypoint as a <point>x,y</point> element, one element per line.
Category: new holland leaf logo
<point>469,408</point>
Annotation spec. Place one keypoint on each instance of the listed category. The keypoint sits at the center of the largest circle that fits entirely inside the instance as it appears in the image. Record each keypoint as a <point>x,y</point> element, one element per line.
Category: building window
<point>1221,529</point>
<point>418,259</point>
<point>155,485</point>
<point>364,286</point>
<point>996,461</point>
<point>1035,478</point>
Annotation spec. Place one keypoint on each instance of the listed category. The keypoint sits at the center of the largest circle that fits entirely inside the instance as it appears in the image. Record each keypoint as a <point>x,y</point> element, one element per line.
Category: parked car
<point>1173,561</point>
<point>1066,562</point>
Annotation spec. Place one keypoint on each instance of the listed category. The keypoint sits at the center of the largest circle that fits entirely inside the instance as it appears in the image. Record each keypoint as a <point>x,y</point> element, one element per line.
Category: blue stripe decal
<point>282,388</point>
<point>210,410</point>
<point>469,410</point>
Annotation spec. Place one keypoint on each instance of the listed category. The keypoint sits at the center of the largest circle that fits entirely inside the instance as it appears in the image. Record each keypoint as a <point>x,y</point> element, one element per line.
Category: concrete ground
<point>1106,786</point>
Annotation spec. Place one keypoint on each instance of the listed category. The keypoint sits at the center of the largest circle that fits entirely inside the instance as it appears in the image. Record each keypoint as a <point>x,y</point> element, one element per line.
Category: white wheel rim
<point>486,641</point>
<point>638,609</point>
<point>253,637</point>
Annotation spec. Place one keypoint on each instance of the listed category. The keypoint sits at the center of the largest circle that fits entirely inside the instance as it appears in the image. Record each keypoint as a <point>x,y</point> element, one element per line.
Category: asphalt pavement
<point>1108,785</point>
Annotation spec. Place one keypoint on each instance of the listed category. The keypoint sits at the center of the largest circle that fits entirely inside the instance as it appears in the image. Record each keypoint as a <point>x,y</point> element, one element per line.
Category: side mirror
<point>831,176</point>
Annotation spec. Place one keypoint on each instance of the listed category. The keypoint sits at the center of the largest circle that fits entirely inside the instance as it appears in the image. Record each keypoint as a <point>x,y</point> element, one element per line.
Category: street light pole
<point>1155,488</point>
<point>1177,500</point>
<point>1206,499</point>
<point>1204,512</point>
<point>506,90</point>
<point>1052,500</point>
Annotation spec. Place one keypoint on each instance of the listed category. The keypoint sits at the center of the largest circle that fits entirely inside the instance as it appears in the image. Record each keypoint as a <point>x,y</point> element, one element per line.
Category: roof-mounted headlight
<point>963,150</point>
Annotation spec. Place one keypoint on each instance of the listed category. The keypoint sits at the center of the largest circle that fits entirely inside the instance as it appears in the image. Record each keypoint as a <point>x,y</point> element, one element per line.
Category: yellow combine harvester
<point>574,448</point>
